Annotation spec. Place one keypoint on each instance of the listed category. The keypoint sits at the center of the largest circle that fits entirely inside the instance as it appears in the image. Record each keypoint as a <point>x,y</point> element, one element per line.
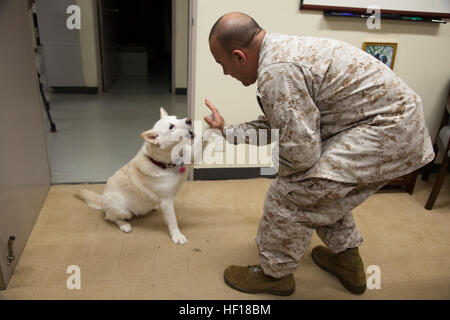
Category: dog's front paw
<point>179,238</point>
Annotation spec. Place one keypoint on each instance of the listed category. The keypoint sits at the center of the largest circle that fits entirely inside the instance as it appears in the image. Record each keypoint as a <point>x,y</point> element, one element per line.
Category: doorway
<point>136,45</point>
<point>107,81</point>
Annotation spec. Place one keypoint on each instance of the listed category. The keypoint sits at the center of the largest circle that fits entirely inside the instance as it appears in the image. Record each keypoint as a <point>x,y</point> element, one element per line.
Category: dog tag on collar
<point>180,162</point>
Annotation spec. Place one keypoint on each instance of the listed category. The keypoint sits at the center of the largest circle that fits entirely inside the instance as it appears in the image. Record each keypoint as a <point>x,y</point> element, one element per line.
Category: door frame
<point>98,53</point>
<point>192,42</point>
<point>174,27</point>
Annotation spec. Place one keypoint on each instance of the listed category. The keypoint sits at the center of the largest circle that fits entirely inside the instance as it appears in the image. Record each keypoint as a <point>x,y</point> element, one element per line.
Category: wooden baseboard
<point>255,172</point>
<point>86,90</point>
<point>229,173</point>
<point>181,91</point>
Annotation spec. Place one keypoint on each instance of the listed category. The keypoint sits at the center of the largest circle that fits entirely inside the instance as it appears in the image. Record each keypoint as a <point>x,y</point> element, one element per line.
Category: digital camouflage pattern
<point>342,114</point>
<point>294,210</point>
<point>347,125</point>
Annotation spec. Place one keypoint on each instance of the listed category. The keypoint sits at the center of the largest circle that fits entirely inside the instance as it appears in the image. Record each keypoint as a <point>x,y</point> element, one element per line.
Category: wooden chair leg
<point>429,166</point>
<point>426,171</point>
<point>412,182</point>
<point>438,184</point>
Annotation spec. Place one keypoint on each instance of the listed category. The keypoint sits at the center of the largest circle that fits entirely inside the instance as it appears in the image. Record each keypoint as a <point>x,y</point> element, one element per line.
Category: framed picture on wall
<point>385,52</point>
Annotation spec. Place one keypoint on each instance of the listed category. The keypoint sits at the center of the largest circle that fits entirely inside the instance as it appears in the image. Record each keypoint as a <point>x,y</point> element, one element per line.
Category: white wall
<point>70,55</point>
<point>61,46</point>
<point>422,59</point>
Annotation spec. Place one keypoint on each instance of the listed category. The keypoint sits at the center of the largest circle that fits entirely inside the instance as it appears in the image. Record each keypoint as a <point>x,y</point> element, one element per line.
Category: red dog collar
<point>166,165</point>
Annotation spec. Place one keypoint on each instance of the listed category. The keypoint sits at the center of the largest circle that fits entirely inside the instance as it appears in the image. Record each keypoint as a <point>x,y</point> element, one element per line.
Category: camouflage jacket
<point>342,114</point>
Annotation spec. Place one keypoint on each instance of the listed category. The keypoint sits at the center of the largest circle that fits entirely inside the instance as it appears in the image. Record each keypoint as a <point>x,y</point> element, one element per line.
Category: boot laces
<point>255,268</point>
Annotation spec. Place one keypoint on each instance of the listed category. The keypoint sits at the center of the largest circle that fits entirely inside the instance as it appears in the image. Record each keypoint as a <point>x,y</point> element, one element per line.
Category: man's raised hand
<point>217,121</point>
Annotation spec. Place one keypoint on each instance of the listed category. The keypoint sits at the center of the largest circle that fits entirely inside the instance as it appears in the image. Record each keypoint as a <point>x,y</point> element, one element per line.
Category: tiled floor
<point>410,245</point>
<point>158,83</point>
<point>97,134</point>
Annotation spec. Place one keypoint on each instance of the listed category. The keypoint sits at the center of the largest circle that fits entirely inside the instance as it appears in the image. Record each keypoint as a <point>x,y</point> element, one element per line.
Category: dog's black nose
<point>188,121</point>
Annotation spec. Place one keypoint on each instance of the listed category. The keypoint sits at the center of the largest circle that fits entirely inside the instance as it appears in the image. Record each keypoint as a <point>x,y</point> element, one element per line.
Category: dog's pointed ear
<point>150,136</point>
<point>163,112</point>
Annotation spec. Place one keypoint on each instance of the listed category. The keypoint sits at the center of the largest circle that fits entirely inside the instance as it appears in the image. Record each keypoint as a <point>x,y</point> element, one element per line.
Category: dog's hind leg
<point>123,225</point>
<point>118,218</point>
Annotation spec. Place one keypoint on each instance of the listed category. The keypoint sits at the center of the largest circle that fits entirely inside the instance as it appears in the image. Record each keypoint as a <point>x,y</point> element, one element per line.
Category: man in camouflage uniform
<point>347,125</point>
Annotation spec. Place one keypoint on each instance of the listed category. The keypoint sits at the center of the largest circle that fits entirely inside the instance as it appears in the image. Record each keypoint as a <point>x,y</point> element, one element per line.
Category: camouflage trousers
<point>294,210</point>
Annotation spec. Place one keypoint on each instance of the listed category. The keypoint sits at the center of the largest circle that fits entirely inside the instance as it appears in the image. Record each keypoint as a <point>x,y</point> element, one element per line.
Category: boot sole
<point>273,292</point>
<point>350,287</point>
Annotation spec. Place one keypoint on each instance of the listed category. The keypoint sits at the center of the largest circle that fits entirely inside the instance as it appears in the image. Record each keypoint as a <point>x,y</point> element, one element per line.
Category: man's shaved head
<point>234,30</point>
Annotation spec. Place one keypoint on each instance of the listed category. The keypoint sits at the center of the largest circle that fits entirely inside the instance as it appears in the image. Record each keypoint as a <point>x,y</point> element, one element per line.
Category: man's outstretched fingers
<point>208,120</point>
<point>211,107</point>
<point>215,120</point>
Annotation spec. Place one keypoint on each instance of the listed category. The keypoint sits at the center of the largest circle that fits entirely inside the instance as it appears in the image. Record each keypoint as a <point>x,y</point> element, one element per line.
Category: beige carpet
<point>410,245</point>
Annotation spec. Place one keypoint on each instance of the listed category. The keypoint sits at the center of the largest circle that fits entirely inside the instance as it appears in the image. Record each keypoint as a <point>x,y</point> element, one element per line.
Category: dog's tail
<point>91,198</point>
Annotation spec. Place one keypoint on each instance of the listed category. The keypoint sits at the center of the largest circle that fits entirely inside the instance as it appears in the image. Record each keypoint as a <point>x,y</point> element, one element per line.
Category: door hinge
<point>10,254</point>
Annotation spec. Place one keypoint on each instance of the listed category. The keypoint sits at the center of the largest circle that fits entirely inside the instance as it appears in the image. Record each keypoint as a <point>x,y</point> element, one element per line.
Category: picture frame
<point>383,51</point>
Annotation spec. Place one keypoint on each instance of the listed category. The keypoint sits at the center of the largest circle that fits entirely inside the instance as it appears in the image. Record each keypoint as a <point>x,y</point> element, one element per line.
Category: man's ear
<point>240,56</point>
<point>163,112</point>
<point>150,136</point>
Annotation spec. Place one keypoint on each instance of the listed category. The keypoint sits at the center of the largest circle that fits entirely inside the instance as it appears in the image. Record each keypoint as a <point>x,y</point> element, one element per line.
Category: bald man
<point>347,125</point>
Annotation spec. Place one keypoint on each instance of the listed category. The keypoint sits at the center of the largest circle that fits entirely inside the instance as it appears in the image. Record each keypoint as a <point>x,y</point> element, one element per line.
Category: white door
<point>24,170</point>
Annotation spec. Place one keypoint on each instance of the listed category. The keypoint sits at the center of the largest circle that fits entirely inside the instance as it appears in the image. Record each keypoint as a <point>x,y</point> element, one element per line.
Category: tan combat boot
<point>347,266</point>
<point>252,279</point>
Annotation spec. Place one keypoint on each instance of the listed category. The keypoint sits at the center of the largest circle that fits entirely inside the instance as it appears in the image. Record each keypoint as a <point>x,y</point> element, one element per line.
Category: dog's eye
<point>171,127</point>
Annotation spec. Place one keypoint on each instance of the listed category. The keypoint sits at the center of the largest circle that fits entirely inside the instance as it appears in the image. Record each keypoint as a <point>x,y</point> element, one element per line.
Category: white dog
<point>151,179</point>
